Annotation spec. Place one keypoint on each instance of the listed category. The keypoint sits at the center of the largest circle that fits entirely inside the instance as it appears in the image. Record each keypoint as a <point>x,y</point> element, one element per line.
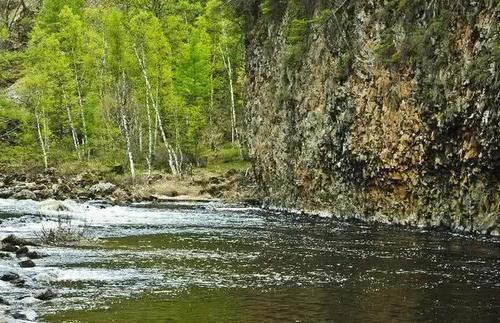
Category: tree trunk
<point>229,70</point>
<point>127,141</point>
<point>235,140</point>
<point>150,138</point>
<point>73,133</point>
<point>82,115</point>
<point>126,133</point>
<point>172,156</point>
<point>41,139</point>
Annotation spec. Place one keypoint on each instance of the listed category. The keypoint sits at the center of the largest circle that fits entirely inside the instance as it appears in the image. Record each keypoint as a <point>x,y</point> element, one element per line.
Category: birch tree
<point>151,51</point>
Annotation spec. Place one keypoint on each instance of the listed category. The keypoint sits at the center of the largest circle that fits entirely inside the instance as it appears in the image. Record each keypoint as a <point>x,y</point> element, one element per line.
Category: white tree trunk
<point>150,138</point>
<point>172,156</point>
<point>82,115</point>
<point>125,127</point>
<point>41,139</point>
<point>73,133</point>
<point>129,146</point>
<point>229,69</point>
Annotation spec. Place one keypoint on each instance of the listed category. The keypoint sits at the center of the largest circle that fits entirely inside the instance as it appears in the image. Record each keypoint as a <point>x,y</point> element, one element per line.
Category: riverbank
<point>112,186</point>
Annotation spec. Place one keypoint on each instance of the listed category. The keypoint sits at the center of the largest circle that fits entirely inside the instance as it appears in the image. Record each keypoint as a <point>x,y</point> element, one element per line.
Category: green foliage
<point>96,79</point>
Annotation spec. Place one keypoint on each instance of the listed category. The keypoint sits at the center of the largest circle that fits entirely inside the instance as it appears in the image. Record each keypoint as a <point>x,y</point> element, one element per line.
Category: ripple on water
<point>273,260</point>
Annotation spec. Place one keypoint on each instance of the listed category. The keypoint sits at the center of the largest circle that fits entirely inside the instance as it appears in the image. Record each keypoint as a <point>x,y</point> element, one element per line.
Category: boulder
<point>35,255</point>
<point>13,240</point>
<point>9,248</point>
<point>21,252</point>
<point>9,277</point>
<point>120,196</point>
<point>27,264</point>
<point>102,188</point>
<point>4,255</point>
<point>6,193</point>
<point>46,295</point>
<point>25,195</point>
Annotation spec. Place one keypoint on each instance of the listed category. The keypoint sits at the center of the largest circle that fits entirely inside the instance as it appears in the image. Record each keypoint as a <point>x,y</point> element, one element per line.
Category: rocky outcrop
<point>385,111</point>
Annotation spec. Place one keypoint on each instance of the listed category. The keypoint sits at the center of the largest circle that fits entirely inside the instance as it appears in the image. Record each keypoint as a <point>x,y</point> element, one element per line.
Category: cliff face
<point>383,110</point>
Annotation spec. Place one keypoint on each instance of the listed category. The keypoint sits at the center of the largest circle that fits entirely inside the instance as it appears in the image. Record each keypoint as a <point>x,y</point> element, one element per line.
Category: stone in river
<point>27,264</point>
<point>9,248</point>
<point>21,252</point>
<point>9,277</point>
<point>35,255</point>
<point>46,295</point>
<point>27,315</point>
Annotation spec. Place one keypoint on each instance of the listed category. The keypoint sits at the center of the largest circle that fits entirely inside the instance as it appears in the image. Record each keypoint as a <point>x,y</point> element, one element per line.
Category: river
<point>216,262</point>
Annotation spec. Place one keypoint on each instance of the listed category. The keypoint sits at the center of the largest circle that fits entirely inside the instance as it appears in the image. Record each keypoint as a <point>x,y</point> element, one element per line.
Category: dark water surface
<point>197,262</point>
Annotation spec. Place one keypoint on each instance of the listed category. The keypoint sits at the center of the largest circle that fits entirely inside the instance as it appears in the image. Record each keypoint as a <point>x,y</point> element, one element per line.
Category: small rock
<point>3,301</point>
<point>18,282</point>
<point>13,240</point>
<point>27,315</point>
<point>10,248</point>
<point>4,255</point>
<point>27,264</point>
<point>46,295</point>
<point>25,195</point>
<point>102,188</point>
<point>21,252</point>
<point>9,277</point>
<point>6,193</point>
<point>35,255</point>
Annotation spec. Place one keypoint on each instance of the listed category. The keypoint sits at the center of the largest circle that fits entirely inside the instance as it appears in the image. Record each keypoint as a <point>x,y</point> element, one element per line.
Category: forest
<point>145,83</point>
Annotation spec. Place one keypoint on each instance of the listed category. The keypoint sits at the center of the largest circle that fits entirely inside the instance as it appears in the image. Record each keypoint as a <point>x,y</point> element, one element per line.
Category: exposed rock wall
<point>384,110</point>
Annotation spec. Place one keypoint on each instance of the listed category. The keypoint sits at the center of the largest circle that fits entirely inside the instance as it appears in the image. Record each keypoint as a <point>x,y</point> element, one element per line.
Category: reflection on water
<point>214,263</point>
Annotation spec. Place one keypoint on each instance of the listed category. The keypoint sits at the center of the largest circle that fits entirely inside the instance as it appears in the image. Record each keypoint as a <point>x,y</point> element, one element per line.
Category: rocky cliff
<point>382,110</point>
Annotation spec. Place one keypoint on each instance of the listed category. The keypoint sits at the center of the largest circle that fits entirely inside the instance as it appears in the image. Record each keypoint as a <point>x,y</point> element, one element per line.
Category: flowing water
<point>213,262</point>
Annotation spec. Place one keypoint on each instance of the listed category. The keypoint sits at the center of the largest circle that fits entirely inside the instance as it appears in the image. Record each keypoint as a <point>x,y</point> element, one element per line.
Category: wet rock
<point>9,277</point>
<point>102,188</point>
<point>4,255</point>
<point>6,193</point>
<point>13,240</point>
<point>35,255</point>
<point>9,248</point>
<point>21,252</point>
<point>27,315</point>
<point>25,194</point>
<point>46,295</point>
<point>27,264</point>
<point>18,282</point>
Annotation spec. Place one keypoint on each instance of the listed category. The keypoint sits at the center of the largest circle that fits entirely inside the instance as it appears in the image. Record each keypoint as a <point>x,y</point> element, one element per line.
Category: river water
<point>215,262</point>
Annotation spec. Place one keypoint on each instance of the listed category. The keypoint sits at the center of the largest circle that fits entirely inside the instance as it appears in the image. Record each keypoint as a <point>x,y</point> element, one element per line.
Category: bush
<point>64,234</point>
